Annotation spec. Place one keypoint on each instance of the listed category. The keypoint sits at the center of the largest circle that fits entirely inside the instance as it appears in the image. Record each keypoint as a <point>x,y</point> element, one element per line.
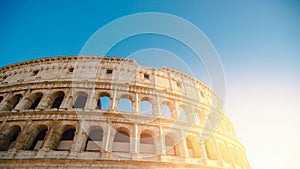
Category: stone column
<point>23,136</point>
<point>185,152</point>
<point>52,138</point>
<point>113,105</point>
<point>106,137</point>
<point>23,100</point>
<point>77,142</point>
<point>107,144</point>
<point>175,112</point>
<point>46,101</point>
<point>203,153</point>
<point>162,141</point>
<point>91,102</point>
<point>136,108</point>
<point>219,156</point>
<point>67,103</point>
<point>157,141</point>
<point>136,142</point>
<point>132,140</point>
<point>5,99</point>
<point>229,154</point>
<point>157,107</point>
<point>50,142</point>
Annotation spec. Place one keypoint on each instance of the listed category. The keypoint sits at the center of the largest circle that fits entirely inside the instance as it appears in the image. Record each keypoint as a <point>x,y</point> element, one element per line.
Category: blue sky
<point>258,43</point>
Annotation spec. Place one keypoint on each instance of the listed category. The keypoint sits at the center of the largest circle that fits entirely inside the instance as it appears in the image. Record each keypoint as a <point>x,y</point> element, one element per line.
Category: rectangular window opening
<point>109,72</point>
<point>146,76</point>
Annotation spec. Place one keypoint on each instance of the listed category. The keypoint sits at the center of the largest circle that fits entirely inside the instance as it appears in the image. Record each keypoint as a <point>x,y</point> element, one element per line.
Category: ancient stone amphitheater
<point>105,112</point>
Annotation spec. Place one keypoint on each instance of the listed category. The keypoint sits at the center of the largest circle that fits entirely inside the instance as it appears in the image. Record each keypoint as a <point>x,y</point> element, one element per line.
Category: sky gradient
<point>258,43</point>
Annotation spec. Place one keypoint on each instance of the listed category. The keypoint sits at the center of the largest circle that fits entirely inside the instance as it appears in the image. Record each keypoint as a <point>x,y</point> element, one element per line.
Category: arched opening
<point>103,103</point>
<point>183,115</point>
<point>4,77</point>
<point>80,101</point>
<point>170,146</point>
<point>35,72</point>
<point>210,150</point>
<point>9,138</point>
<point>166,111</point>
<point>71,69</point>
<point>224,152</point>
<point>39,140</point>
<point>121,142</point>
<point>35,103</point>
<point>125,105</point>
<point>12,102</point>
<point>1,98</point>
<point>94,140</point>
<point>146,144</point>
<point>66,140</point>
<point>146,107</point>
<point>58,98</point>
<point>190,148</point>
<point>36,98</point>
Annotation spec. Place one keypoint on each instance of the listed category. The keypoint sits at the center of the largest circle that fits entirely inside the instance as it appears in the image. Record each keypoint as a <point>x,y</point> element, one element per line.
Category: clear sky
<point>258,42</point>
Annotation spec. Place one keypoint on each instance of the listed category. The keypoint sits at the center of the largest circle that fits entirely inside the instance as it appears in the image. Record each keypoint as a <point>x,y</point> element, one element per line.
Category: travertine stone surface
<point>53,114</point>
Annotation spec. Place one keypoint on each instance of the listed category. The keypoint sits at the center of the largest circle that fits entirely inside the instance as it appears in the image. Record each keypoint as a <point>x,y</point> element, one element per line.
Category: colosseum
<point>107,112</point>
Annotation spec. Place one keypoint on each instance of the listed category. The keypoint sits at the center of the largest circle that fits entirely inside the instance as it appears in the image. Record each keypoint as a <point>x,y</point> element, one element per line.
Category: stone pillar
<point>162,141</point>
<point>5,99</point>
<point>46,101</point>
<point>23,100</point>
<point>136,142</point>
<point>106,137</point>
<point>113,105</point>
<point>203,153</point>
<point>175,112</point>
<point>183,146</point>
<point>157,141</point>
<point>219,156</point>
<point>23,136</point>
<point>51,140</point>
<point>156,107</point>
<point>132,140</point>
<point>91,102</point>
<point>136,104</point>
<point>229,154</point>
<point>78,141</point>
<point>110,102</point>
<point>67,103</point>
<point>184,152</point>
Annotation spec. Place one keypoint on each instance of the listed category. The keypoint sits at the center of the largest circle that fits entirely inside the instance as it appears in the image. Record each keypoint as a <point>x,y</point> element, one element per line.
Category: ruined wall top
<point>99,68</point>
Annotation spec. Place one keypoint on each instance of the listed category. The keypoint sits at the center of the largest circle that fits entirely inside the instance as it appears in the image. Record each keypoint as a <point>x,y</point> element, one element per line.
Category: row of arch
<point>104,102</point>
<point>63,138</point>
<point>32,101</point>
<point>121,141</point>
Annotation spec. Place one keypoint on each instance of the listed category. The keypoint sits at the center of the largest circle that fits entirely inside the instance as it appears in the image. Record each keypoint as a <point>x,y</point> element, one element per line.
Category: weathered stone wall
<point>42,100</point>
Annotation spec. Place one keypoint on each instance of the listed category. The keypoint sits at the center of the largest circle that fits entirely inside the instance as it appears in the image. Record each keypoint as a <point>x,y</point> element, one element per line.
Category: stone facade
<point>105,112</point>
